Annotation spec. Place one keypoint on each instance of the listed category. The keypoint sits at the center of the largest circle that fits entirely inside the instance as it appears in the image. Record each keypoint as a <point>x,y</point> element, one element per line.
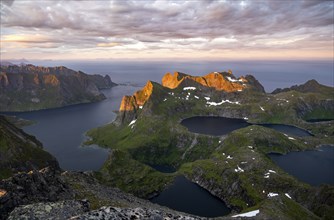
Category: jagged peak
<point>138,99</point>
<point>224,81</point>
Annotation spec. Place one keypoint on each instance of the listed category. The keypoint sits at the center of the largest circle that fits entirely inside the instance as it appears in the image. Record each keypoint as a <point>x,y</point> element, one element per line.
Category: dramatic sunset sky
<point>147,29</point>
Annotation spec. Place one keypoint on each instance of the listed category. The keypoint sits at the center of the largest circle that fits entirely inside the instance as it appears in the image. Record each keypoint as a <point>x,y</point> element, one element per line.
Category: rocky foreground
<point>29,87</point>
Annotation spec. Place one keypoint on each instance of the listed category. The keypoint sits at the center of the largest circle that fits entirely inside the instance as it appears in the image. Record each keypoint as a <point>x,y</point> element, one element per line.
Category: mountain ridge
<point>29,87</point>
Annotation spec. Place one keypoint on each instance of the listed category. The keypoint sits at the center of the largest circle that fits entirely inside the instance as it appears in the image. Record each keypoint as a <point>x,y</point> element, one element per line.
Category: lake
<point>314,167</point>
<point>186,196</point>
<point>62,130</point>
<point>211,125</point>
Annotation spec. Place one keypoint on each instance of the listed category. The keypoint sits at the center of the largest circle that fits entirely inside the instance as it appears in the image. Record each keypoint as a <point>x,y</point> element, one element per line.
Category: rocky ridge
<point>29,87</point>
<point>220,81</point>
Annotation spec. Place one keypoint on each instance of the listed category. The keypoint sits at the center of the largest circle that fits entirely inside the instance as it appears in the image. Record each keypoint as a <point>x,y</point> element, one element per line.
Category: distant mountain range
<point>29,87</point>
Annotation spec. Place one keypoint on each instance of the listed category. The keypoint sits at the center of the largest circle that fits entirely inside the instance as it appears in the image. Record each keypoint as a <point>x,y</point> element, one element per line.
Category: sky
<point>176,30</point>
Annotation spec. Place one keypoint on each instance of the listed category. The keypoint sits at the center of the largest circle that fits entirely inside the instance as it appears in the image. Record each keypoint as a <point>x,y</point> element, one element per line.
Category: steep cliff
<point>20,151</point>
<point>28,87</point>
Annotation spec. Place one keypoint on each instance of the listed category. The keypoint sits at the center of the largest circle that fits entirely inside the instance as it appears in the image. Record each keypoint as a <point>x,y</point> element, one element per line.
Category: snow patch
<point>229,157</point>
<point>245,118</point>
<point>250,147</point>
<point>261,108</point>
<point>271,171</point>
<point>141,107</point>
<point>207,98</point>
<point>132,123</point>
<point>189,88</point>
<point>165,100</point>
<point>287,195</point>
<point>196,97</point>
<point>272,194</point>
<point>291,138</point>
<point>233,80</point>
<point>239,170</point>
<point>248,214</point>
<point>222,102</point>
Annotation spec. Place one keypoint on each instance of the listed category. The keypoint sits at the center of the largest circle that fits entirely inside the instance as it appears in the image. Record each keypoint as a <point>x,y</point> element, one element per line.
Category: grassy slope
<point>20,152</point>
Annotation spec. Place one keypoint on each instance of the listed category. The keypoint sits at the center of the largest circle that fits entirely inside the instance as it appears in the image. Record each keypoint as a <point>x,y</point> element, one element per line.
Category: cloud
<point>152,25</point>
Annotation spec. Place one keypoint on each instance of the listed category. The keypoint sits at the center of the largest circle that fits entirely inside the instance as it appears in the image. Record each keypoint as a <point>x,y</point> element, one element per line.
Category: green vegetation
<point>20,152</point>
<point>235,167</point>
<point>132,176</point>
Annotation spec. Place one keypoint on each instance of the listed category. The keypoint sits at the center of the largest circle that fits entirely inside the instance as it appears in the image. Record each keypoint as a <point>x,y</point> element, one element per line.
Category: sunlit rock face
<point>223,81</point>
<point>138,99</point>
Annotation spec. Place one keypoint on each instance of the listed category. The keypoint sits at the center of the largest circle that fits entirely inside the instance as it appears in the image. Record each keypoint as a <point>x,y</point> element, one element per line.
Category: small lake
<point>288,129</point>
<point>163,168</point>
<point>212,125</point>
<point>319,120</point>
<point>186,196</point>
<point>62,130</point>
<point>314,167</point>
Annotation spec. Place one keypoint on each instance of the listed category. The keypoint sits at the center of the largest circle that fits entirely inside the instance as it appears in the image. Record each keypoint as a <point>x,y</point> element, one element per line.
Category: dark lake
<point>314,166</point>
<point>288,129</point>
<point>186,196</point>
<point>213,125</point>
<point>217,126</point>
<point>62,130</point>
<point>319,120</point>
<point>163,168</point>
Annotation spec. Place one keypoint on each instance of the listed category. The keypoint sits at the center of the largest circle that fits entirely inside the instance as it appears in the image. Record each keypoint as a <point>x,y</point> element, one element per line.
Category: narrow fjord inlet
<point>164,109</point>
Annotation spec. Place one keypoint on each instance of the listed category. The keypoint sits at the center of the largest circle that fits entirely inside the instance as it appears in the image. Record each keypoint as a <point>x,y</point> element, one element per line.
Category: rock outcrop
<point>44,185</point>
<point>50,210</point>
<point>133,213</point>
<point>138,99</point>
<point>29,87</point>
<point>130,104</point>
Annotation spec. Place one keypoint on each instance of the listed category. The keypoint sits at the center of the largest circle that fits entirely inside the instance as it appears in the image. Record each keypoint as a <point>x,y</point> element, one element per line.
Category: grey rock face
<point>36,186</point>
<point>57,210</point>
<point>106,213</point>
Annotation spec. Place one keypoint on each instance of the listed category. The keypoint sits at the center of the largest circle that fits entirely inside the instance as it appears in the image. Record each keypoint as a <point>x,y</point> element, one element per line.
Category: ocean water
<point>271,74</point>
